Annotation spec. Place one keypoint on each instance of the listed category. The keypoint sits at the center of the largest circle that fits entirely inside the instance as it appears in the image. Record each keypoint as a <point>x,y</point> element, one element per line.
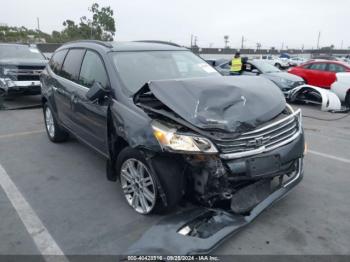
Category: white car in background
<point>341,87</point>
<point>296,61</point>
<point>280,63</point>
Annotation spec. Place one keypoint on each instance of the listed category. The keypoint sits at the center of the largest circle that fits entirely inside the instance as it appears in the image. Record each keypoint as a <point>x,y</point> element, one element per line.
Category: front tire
<point>55,133</point>
<point>140,184</point>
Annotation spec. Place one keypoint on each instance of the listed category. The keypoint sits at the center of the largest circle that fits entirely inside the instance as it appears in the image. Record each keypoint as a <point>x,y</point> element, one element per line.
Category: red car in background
<point>320,73</point>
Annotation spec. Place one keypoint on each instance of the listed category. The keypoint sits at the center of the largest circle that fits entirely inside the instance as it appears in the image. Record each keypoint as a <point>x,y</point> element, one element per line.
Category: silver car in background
<point>285,81</point>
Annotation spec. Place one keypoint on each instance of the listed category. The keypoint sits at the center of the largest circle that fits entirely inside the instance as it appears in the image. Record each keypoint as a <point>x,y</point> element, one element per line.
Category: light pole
<point>226,37</point>
<point>318,40</point>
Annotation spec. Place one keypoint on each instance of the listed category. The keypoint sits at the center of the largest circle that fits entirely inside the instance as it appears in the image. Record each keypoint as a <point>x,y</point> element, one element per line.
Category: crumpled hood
<point>232,104</point>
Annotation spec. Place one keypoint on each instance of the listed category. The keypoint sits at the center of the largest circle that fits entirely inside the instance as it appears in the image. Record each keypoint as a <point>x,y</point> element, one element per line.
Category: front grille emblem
<point>258,141</point>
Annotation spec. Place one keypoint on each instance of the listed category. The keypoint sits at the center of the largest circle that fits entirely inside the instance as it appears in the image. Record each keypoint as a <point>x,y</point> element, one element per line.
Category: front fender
<point>133,126</point>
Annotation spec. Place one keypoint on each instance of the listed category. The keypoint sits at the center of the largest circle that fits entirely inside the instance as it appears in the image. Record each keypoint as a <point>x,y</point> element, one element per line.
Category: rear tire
<point>55,133</point>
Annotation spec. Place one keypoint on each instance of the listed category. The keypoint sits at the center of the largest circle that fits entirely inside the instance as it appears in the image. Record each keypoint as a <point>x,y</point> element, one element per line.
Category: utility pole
<point>258,46</point>
<point>226,37</point>
<point>38,28</point>
<point>90,24</point>
<point>242,44</point>
<point>38,23</point>
<point>195,41</point>
<point>191,40</point>
<point>318,40</point>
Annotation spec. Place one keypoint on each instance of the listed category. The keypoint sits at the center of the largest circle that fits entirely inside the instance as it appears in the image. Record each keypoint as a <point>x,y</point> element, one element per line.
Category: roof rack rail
<point>158,42</point>
<point>105,44</point>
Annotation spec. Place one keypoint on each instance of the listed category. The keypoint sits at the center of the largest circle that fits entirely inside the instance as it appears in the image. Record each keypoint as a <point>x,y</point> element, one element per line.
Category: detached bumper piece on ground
<point>328,100</point>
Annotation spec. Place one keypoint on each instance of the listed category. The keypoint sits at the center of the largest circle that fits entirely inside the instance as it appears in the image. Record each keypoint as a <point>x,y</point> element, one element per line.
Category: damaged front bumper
<point>10,87</point>
<point>200,230</point>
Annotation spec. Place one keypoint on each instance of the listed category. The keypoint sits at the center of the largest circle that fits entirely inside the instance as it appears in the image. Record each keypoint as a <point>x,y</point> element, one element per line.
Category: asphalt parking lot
<point>59,191</point>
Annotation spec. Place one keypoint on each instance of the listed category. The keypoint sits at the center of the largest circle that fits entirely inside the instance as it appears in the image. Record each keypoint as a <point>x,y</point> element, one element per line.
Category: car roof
<point>124,46</point>
<point>327,61</point>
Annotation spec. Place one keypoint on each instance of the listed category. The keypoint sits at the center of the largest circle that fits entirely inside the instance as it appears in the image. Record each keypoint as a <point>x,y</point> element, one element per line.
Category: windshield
<point>266,68</point>
<point>137,68</point>
<point>19,51</point>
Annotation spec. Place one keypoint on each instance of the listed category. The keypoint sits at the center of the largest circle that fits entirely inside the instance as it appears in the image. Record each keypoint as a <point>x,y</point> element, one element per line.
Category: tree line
<point>99,26</point>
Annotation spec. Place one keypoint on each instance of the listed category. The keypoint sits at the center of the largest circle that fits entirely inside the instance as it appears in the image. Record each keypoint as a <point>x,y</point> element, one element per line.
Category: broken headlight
<point>170,140</point>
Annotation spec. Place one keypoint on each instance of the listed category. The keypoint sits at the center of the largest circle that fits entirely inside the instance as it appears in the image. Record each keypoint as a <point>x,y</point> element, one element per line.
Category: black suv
<point>172,128</point>
<point>20,69</point>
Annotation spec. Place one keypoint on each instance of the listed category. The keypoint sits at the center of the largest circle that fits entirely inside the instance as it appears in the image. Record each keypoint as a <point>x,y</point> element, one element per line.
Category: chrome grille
<point>24,73</point>
<point>271,136</point>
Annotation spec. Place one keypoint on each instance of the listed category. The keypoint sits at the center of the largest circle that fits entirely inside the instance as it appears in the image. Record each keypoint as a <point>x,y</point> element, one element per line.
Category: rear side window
<point>307,66</point>
<point>92,70</point>
<point>336,68</point>
<point>319,66</point>
<point>57,61</point>
<point>72,63</point>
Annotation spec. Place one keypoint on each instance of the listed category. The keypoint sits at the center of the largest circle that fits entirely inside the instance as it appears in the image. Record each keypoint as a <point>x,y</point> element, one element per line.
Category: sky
<point>273,23</point>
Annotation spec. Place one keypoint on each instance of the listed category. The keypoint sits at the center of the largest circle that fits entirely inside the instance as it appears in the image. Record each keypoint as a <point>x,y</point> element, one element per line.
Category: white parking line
<point>22,134</point>
<point>41,236</point>
<point>329,156</point>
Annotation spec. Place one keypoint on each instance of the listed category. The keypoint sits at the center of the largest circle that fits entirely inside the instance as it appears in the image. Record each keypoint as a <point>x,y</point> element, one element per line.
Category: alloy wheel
<point>50,125</point>
<point>138,186</point>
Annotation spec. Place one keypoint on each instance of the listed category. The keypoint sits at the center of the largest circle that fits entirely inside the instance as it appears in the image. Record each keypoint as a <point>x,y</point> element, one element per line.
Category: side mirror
<point>256,71</point>
<point>96,92</point>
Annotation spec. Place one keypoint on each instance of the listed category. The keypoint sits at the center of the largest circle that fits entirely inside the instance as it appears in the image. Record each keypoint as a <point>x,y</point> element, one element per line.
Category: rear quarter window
<point>72,63</point>
<point>56,61</point>
<point>336,68</point>
<point>306,66</point>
